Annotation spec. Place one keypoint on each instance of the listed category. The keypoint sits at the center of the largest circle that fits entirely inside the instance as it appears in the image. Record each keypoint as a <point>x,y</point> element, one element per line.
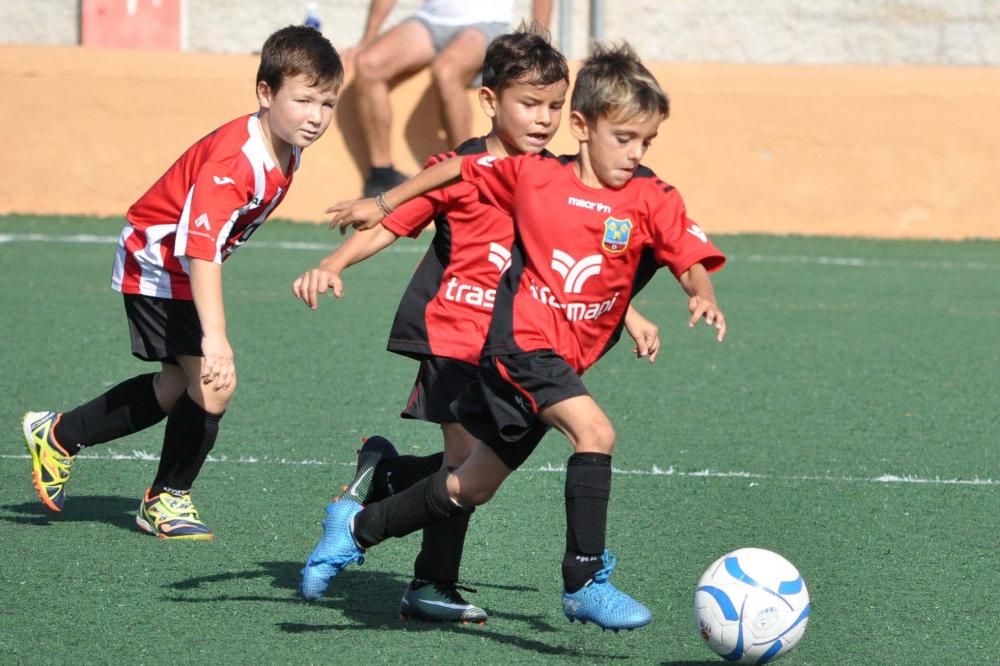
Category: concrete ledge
<point>898,152</point>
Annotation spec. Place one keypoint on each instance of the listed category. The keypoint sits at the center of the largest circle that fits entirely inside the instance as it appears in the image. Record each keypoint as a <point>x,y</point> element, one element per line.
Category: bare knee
<point>597,437</point>
<point>468,492</point>
<point>448,76</point>
<point>369,67</point>
<point>213,401</point>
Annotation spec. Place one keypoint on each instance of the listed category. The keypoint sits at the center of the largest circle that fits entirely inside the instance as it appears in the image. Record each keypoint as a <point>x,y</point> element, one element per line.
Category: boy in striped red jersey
<point>556,312</point>
<point>445,312</point>
<point>168,267</point>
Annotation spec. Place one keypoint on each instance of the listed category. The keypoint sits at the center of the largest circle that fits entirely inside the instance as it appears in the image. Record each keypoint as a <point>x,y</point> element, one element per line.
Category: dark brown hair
<point>296,50</point>
<point>523,56</point>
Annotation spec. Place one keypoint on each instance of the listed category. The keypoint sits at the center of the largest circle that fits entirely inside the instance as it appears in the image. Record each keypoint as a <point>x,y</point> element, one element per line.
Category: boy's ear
<point>264,94</point>
<point>579,127</point>
<point>488,100</point>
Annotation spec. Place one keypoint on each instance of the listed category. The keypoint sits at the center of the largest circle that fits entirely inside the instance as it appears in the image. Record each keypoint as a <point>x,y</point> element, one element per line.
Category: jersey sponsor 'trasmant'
<point>580,253</point>
<point>446,308</point>
<point>206,205</point>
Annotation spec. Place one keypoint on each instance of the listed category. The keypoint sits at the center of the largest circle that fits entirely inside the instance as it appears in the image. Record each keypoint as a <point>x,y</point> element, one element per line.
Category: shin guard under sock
<point>190,435</point>
<point>419,505</point>
<point>588,488</point>
<point>122,410</point>
<point>394,475</point>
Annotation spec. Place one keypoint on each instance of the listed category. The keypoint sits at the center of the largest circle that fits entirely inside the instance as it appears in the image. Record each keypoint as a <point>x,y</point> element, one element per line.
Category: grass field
<point>849,422</point>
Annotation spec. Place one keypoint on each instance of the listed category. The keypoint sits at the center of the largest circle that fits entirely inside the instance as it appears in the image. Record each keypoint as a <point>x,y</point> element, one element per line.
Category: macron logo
<point>499,257</point>
<point>575,273</point>
<point>486,160</point>
<point>223,181</point>
<point>697,232</point>
<point>202,222</point>
<point>589,205</point>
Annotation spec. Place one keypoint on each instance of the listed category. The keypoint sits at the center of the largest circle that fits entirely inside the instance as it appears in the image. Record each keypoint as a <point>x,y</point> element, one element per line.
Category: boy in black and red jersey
<point>168,267</point>
<point>558,309</point>
<point>444,314</point>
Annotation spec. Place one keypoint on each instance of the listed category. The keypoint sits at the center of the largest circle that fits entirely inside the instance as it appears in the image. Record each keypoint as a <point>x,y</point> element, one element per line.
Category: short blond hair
<point>614,82</point>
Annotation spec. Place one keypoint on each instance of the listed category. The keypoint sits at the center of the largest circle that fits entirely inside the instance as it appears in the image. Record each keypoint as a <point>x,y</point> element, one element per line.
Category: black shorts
<point>439,383</point>
<point>501,409</point>
<point>162,328</point>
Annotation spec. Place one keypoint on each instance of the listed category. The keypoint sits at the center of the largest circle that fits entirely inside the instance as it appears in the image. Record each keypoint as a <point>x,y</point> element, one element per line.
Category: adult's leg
<point>405,48</point>
<point>452,71</point>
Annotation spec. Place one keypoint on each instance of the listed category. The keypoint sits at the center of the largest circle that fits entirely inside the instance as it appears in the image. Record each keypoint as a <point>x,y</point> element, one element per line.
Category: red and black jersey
<point>580,253</point>
<point>446,309</point>
<point>206,205</point>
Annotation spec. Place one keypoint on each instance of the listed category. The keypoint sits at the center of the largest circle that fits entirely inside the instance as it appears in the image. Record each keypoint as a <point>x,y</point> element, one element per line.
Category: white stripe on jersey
<point>118,272</point>
<point>180,245</point>
<point>154,281</point>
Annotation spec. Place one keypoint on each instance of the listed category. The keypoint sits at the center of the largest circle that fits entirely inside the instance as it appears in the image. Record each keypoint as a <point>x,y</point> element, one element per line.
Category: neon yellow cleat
<point>50,463</point>
<point>171,517</point>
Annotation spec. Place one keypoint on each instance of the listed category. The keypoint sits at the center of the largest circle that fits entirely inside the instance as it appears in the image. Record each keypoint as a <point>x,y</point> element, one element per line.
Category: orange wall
<point>862,151</point>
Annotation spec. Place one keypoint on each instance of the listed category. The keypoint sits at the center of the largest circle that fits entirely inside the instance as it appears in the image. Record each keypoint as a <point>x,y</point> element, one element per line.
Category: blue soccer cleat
<point>335,550</point>
<point>604,604</point>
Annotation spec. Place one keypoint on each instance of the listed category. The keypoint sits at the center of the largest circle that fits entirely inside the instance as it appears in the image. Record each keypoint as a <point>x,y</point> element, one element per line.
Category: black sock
<point>588,487</point>
<point>190,434</point>
<point>419,505</point>
<point>440,554</point>
<point>393,475</point>
<point>122,410</point>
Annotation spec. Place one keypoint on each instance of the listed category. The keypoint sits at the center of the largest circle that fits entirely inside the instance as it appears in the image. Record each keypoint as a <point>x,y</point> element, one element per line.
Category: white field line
<point>753,477</point>
<point>851,262</point>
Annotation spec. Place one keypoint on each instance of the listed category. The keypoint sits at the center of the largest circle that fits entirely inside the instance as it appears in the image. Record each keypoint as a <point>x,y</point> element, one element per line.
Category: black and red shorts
<point>501,409</point>
<point>439,382</point>
<point>162,328</point>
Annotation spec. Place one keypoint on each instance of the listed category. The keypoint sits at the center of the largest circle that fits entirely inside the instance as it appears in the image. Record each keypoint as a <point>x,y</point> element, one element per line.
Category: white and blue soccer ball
<point>751,606</point>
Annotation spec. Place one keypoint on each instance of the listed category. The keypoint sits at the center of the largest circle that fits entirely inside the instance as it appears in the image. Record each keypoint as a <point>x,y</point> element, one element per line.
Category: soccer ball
<point>751,606</point>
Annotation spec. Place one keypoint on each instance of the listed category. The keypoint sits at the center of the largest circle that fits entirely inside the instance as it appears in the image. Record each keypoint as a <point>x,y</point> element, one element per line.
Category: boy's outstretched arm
<point>701,301</point>
<point>645,333</point>
<point>366,213</point>
<point>326,276</point>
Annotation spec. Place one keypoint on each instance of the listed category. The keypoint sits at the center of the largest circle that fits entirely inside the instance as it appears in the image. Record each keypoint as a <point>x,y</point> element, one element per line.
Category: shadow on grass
<point>109,509</point>
<point>367,599</point>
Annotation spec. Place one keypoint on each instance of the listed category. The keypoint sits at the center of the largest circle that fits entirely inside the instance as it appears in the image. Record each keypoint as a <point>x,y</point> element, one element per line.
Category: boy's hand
<point>646,335</point>
<point>701,307</point>
<point>217,365</point>
<point>310,284</point>
<point>358,213</point>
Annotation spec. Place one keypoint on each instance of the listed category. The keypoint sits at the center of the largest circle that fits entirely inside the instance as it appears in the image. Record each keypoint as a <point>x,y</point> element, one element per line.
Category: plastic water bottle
<point>312,15</point>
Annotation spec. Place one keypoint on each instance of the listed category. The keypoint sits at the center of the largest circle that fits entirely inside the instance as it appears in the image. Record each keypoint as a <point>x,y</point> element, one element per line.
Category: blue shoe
<point>604,604</point>
<point>335,550</point>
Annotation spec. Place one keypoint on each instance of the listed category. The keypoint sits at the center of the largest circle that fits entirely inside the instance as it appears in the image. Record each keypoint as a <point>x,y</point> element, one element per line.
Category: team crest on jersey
<point>616,234</point>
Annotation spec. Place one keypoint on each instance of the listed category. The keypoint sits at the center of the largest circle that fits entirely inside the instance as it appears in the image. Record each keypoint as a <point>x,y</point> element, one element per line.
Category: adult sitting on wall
<point>449,36</point>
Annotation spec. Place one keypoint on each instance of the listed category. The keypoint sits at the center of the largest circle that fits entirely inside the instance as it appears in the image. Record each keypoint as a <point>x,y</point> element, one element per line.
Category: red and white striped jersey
<point>206,205</point>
